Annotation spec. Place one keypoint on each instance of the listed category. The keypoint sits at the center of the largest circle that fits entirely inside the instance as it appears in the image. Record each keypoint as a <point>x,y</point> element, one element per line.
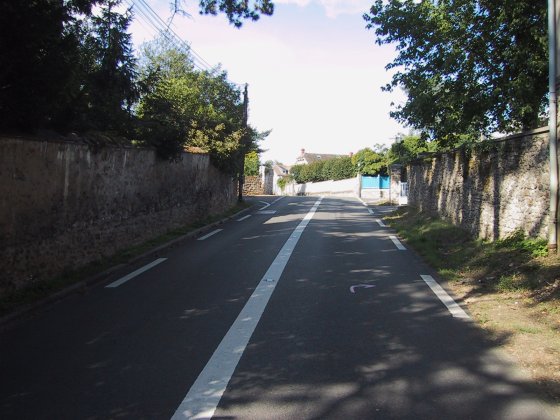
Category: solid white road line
<point>202,399</point>
<point>397,243</point>
<point>447,300</point>
<point>209,234</point>
<point>244,218</point>
<point>130,276</point>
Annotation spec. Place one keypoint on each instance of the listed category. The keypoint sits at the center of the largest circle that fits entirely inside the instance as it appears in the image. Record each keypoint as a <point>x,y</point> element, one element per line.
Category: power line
<point>175,35</point>
<point>150,17</point>
<point>153,20</point>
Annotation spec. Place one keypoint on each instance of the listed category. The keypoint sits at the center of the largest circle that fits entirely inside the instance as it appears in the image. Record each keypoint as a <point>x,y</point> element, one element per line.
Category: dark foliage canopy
<point>469,67</point>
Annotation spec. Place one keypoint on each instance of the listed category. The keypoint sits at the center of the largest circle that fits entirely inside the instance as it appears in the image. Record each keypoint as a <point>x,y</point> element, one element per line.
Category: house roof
<point>281,170</point>
<point>314,157</point>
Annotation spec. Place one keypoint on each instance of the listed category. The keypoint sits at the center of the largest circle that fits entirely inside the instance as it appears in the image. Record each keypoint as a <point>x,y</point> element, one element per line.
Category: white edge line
<point>244,218</point>
<point>130,276</point>
<point>206,392</point>
<point>397,243</point>
<point>209,234</point>
<point>380,223</point>
<point>447,300</point>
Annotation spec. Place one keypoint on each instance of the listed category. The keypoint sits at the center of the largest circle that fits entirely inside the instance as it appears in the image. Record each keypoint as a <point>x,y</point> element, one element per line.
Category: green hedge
<point>324,170</point>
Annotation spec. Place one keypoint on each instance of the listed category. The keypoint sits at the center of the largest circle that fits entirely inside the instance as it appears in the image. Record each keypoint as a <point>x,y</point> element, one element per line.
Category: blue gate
<point>378,182</point>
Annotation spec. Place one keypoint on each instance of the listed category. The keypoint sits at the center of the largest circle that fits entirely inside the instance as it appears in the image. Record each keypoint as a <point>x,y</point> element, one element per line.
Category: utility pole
<point>552,125</point>
<point>243,142</point>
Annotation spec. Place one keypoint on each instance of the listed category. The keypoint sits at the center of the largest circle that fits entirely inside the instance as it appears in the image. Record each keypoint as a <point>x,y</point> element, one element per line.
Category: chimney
<point>302,152</point>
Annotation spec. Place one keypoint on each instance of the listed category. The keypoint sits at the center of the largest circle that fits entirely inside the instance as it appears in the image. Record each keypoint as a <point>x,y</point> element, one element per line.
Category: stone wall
<point>253,185</point>
<point>491,192</point>
<point>64,205</point>
<point>268,180</point>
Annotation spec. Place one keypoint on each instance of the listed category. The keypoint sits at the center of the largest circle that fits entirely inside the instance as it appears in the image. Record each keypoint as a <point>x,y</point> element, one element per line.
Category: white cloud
<point>334,8</point>
<point>300,3</point>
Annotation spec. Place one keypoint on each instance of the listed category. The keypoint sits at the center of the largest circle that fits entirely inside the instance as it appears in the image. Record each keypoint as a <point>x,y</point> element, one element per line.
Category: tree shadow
<point>392,351</point>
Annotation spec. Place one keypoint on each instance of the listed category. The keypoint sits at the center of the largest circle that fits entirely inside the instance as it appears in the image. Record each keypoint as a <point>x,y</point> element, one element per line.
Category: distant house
<point>306,158</point>
<point>280,171</point>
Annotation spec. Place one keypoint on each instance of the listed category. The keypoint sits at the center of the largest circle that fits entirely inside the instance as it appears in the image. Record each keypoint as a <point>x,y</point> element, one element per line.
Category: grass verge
<point>511,288</point>
<point>35,292</point>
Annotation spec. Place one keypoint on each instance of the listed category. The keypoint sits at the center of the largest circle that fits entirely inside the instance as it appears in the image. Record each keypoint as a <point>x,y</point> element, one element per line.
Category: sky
<point>314,73</point>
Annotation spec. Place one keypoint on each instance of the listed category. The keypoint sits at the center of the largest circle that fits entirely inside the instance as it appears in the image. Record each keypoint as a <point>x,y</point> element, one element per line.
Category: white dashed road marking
<point>447,300</point>
<point>130,276</point>
<point>397,243</point>
<point>202,238</point>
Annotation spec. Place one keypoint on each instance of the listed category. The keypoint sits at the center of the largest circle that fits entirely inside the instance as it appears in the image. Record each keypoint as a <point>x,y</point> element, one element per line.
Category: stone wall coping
<point>524,134</point>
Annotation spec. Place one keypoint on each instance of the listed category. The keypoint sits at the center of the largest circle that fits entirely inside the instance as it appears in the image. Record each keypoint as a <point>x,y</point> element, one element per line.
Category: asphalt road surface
<point>301,308</point>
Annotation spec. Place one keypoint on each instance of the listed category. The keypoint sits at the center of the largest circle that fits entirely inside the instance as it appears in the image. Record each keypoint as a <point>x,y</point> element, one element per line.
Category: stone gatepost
<point>395,175</point>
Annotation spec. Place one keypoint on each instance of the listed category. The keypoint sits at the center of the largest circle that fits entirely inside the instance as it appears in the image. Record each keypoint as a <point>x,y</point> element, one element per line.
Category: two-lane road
<point>304,308</point>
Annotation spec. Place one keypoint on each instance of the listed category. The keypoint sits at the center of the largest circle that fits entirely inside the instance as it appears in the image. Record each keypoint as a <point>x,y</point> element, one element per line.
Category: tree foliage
<point>368,162</point>
<point>39,52</point>
<point>237,10</point>
<point>67,65</point>
<point>409,148</point>
<point>182,106</point>
<point>109,88</point>
<point>252,163</point>
<point>469,67</point>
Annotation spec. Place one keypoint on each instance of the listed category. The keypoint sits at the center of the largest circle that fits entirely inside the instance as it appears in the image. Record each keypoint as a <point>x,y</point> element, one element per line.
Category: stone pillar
<point>395,174</point>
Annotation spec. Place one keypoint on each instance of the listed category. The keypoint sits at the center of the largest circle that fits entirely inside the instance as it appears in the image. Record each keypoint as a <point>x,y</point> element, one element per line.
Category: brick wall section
<point>63,205</point>
<point>253,185</point>
<point>490,193</point>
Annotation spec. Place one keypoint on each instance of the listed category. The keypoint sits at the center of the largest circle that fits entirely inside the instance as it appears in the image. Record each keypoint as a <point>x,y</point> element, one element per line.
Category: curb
<point>100,277</point>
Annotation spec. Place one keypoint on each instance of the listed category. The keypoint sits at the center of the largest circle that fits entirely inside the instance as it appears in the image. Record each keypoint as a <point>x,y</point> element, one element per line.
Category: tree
<point>368,162</point>
<point>235,10</point>
<point>469,67</point>
<point>408,149</point>
<point>252,164</point>
<point>109,87</point>
<point>64,69</point>
<point>40,56</point>
<point>181,106</point>
<point>167,101</point>
<point>114,77</point>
